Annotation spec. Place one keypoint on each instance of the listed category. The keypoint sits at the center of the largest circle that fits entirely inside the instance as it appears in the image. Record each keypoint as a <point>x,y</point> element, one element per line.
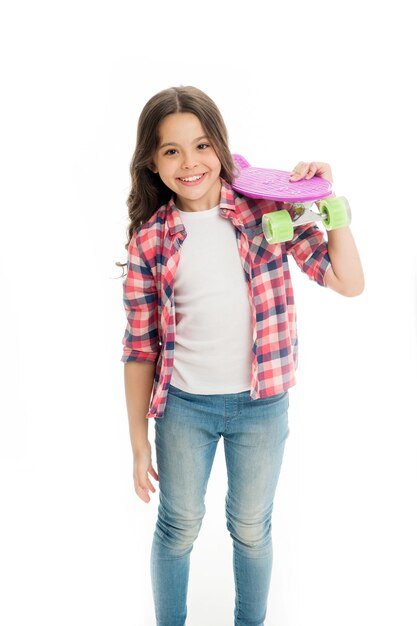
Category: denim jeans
<point>254,433</point>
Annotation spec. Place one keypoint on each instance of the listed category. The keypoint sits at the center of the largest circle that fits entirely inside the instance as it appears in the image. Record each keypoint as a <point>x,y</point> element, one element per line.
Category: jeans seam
<point>237,597</point>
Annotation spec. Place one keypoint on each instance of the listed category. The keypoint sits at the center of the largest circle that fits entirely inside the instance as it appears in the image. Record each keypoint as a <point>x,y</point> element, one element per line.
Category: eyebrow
<point>172,143</point>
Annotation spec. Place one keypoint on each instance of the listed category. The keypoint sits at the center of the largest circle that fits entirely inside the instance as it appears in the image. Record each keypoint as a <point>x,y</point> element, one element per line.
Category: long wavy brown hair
<point>148,192</point>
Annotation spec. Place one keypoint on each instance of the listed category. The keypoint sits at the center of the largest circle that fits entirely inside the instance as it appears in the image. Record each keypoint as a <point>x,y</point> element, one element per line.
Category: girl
<point>210,347</point>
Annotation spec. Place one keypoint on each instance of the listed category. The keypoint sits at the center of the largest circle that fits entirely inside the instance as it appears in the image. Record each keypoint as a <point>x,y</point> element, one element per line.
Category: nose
<point>189,161</point>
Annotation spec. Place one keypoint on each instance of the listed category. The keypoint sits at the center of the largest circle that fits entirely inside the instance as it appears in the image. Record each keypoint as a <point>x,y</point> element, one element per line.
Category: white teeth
<point>191,179</point>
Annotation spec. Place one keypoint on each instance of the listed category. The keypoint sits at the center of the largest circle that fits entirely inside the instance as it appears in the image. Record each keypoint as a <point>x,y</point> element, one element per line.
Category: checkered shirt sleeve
<point>309,250</point>
<point>140,341</point>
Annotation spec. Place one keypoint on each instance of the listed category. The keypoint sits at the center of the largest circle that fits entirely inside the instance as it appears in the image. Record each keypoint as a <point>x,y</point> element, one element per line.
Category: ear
<point>153,168</point>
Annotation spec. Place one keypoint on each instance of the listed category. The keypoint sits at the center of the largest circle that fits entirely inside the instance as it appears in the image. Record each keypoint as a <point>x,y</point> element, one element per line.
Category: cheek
<point>166,170</point>
<point>167,179</point>
<point>215,164</point>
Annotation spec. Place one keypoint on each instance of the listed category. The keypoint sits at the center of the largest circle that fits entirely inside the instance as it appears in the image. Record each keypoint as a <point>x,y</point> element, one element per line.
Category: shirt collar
<point>175,225</point>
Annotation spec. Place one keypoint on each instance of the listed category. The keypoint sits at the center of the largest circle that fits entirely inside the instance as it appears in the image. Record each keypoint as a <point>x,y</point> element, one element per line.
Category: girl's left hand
<point>308,170</point>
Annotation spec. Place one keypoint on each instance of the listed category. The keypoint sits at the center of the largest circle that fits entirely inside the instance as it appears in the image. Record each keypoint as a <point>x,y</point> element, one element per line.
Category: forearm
<point>346,273</point>
<point>138,379</point>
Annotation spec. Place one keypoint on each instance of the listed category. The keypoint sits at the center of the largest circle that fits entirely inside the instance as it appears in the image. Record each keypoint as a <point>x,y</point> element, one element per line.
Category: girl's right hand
<point>142,465</point>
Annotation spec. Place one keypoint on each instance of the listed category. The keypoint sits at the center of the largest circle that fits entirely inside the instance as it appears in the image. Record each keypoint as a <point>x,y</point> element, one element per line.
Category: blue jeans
<point>186,437</point>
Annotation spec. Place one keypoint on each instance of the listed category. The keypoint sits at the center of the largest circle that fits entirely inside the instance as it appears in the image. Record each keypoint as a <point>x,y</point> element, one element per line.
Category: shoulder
<point>251,210</point>
<point>149,235</point>
<point>248,210</point>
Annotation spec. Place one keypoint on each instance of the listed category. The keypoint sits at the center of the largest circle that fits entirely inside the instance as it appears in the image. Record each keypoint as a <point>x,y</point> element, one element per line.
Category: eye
<point>170,151</point>
<point>203,146</point>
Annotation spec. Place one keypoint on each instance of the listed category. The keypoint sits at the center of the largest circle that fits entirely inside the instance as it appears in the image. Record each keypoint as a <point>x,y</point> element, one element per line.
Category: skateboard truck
<point>278,226</point>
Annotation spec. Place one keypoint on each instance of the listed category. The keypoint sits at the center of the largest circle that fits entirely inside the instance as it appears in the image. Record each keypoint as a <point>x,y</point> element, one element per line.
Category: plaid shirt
<point>148,292</point>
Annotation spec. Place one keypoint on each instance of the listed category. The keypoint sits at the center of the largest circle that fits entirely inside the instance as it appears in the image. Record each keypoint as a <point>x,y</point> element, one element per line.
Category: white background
<point>324,81</point>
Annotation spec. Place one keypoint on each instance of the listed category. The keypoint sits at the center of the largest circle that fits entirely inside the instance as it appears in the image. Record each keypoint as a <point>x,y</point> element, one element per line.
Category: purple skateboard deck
<point>271,184</point>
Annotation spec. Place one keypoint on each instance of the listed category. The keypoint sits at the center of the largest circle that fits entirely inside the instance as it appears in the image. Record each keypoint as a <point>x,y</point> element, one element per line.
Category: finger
<point>145,484</point>
<point>323,170</point>
<point>299,167</point>
<point>300,170</point>
<point>142,492</point>
<point>311,170</point>
<point>153,473</point>
<point>150,486</point>
<point>140,483</point>
<point>143,495</point>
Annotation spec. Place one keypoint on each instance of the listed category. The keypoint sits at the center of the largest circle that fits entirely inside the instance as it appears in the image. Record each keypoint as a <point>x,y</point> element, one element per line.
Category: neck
<point>202,204</point>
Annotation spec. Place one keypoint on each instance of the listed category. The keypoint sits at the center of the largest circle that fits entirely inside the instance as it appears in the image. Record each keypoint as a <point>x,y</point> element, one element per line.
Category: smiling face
<point>187,162</point>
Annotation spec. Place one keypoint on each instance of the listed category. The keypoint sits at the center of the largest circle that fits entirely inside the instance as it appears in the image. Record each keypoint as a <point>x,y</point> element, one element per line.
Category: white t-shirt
<point>214,333</point>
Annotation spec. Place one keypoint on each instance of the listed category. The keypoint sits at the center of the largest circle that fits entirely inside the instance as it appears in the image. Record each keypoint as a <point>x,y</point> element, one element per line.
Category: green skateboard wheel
<point>336,212</point>
<point>277,226</point>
